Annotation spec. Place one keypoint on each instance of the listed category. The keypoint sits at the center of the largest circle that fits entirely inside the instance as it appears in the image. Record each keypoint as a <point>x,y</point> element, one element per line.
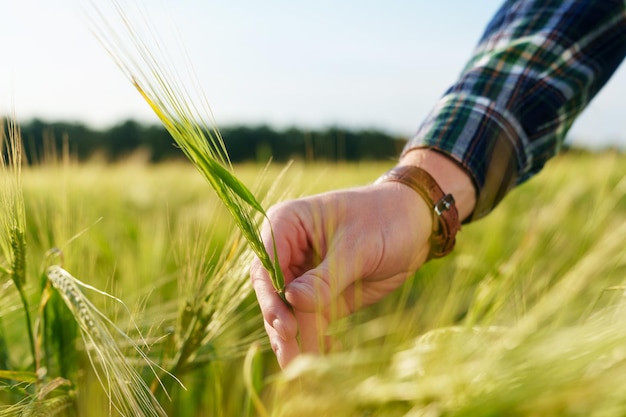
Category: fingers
<point>276,314</point>
<point>284,229</point>
<point>311,340</point>
<point>322,287</point>
<point>290,332</point>
<point>285,350</point>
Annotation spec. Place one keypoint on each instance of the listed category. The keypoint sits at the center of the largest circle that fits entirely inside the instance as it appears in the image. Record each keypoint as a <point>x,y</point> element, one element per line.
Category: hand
<point>375,236</point>
<point>342,251</point>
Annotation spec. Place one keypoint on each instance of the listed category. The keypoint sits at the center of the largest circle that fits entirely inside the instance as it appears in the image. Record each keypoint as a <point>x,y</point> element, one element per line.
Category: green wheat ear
<point>18,263</point>
<point>48,407</point>
<point>128,393</point>
<point>13,214</point>
<point>237,198</point>
<point>171,102</point>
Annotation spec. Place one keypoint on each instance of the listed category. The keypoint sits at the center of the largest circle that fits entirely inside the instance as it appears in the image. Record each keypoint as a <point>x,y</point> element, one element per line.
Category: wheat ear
<point>128,393</point>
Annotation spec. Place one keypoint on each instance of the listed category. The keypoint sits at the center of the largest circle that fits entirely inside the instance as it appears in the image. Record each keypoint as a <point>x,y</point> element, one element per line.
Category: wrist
<point>449,175</point>
<point>409,223</point>
<point>445,217</point>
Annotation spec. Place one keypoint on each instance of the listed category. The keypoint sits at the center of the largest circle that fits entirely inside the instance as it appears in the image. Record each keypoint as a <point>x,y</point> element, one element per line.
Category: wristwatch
<point>445,215</point>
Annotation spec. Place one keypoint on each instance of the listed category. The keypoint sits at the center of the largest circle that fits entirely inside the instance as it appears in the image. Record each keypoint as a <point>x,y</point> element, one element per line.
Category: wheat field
<point>135,281</point>
<point>124,288</point>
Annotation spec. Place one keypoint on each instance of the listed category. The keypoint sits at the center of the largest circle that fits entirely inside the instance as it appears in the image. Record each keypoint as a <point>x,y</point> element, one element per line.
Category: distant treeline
<point>244,143</point>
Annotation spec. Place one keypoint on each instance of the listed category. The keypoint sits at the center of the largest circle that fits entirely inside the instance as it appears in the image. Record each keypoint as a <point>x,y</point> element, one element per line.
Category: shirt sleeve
<point>536,67</point>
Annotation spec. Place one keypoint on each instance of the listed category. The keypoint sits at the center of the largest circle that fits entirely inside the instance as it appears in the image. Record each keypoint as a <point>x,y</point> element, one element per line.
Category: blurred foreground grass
<point>524,318</point>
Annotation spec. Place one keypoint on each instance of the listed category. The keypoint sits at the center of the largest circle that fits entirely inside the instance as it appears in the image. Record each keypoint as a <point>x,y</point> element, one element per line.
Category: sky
<point>351,63</point>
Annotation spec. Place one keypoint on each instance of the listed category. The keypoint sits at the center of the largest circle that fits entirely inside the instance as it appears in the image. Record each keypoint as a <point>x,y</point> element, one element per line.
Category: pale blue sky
<point>355,63</point>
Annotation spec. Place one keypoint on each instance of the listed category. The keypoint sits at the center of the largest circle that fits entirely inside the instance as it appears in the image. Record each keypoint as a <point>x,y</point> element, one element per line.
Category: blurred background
<point>319,75</point>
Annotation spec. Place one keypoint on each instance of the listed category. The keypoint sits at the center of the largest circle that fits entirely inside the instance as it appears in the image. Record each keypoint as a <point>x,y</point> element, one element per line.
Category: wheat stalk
<point>166,95</point>
<point>251,368</point>
<point>48,407</point>
<point>38,404</point>
<point>13,216</point>
<point>129,395</point>
<point>214,304</point>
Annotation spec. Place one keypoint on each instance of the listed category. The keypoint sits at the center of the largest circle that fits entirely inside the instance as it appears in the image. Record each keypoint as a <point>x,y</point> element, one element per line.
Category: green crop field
<point>124,288</point>
<point>135,281</point>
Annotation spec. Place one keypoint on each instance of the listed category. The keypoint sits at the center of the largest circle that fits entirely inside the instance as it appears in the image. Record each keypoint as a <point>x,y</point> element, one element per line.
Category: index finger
<point>280,323</point>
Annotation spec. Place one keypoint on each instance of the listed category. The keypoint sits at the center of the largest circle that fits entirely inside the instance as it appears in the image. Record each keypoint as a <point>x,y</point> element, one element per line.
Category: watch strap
<point>446,222</point>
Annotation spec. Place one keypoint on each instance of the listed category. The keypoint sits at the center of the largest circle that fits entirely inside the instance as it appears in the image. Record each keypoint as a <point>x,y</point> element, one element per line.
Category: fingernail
<point>278,326</point>
<point>278,356</point>
<point>277,352</point>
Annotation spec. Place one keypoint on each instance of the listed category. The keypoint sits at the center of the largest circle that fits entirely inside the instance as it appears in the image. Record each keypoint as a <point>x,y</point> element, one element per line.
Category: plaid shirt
<point>535,69</point>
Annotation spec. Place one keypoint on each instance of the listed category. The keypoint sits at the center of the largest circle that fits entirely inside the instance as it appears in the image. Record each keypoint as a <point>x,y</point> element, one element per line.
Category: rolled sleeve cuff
<point>485,140</point>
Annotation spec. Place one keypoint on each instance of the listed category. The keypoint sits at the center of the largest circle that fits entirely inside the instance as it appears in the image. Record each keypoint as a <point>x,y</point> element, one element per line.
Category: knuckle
<point>277,210</point>
<point>257,271</point>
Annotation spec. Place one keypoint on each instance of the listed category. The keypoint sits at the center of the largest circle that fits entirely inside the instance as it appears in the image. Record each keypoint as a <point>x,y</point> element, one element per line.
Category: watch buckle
<point>444,204</point>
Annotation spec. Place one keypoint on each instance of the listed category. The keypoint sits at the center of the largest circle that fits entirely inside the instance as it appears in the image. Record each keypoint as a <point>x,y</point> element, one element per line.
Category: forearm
<point>536,68</point>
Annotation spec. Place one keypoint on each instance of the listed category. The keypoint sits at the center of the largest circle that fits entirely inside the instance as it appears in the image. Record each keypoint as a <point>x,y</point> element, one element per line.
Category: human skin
<point>346,249</point>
